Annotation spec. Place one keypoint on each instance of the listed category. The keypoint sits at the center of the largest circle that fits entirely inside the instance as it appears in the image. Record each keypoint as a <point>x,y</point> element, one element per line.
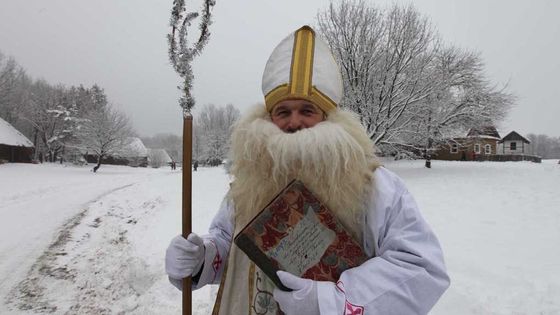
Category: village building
<point>14,146</point>
<point>158,158</point>
<point>134,154</point>
<point>477,145</point>
<point>485,144</point>
<point>514,143</point>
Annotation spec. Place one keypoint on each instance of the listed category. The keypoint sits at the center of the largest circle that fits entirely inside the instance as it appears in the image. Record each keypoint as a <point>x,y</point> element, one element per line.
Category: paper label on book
<point>304,246</point>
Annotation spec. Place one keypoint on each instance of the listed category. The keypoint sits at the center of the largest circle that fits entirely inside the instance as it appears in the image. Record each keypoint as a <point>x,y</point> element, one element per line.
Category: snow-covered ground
<point>76,242</point>
<point>36,200</point>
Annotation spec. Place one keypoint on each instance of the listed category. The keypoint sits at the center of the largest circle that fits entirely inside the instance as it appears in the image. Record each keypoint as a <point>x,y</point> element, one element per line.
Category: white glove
<point>184,257</point>
<point>302,300</point>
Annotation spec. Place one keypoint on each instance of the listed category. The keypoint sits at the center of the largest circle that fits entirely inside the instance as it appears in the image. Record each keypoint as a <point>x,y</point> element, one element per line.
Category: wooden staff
<point>187,201</point>
<point>180,55</point>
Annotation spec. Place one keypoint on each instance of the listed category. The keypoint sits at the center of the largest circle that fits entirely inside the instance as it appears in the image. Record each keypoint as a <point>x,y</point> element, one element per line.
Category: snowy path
<point>107,257</point>
<point>36,200</point>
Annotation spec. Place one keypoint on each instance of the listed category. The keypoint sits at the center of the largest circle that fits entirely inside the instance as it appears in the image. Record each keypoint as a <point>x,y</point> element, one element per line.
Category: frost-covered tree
<point>212,132</point>
<point>542,144</point>
<point>65,135</point>
<point>51,117</point>
<point>197,144</point>
<point>462,99</point>
<point>555,150</point>
<point>103,133</point>
<point>13,81</point>
<point>88,99</point>
<point>410,91</point>
<point>385,57</point>
<point>545,146</point>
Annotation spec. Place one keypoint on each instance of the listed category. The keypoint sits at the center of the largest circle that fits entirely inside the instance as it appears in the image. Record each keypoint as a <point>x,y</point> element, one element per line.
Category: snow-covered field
<point>81,243</point>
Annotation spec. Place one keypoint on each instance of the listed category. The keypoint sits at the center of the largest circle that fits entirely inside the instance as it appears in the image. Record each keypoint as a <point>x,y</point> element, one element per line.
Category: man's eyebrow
<point>278,108</point>
<point>310,105</point>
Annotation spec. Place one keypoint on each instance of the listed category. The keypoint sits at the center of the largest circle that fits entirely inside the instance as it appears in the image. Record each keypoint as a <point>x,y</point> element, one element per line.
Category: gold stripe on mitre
<point>300,85</point>
<point>301,71</point>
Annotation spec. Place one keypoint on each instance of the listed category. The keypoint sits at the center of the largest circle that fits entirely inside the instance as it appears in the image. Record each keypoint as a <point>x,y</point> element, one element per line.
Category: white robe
<point>405,275</point>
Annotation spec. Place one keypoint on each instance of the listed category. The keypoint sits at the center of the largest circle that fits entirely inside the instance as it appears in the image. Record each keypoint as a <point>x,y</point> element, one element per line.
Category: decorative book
<point>296,233</point>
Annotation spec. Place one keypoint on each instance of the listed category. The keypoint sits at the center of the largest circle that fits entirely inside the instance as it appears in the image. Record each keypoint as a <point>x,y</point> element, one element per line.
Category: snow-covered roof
<point>513,136</point>
<point>159,155</point>
<point>486,132</point>
<point>10,136</point>
<point>484,137</point>
<point>134,148</point>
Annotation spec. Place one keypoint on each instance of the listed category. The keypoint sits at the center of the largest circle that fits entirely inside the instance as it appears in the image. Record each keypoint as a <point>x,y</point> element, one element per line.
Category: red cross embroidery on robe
<point>352,309</point>
<point>217,262</point>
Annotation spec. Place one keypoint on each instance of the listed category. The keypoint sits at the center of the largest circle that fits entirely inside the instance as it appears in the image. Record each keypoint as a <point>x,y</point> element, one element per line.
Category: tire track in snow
<point>28,294</point>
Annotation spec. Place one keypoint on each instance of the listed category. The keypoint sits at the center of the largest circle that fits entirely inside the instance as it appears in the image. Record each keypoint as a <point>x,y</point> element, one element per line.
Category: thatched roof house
<point>133,153</point>
<point>14,146</point>
<point>158,158</point>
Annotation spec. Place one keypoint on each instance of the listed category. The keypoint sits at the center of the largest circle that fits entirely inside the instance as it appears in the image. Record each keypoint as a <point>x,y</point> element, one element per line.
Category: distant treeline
<point>545,146</point>
<point>211,135</point>
<point>62,122</point>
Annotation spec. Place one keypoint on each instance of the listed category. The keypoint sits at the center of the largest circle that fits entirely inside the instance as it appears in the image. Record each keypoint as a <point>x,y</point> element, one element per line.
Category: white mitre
<point>302,67</point>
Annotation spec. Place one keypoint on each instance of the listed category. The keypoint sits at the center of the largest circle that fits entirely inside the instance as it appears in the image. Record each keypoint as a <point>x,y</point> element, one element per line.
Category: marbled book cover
<point>295,232</point>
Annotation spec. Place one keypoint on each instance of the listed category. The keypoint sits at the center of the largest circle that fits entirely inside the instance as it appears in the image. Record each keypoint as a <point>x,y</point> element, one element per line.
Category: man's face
<point>293,115</point>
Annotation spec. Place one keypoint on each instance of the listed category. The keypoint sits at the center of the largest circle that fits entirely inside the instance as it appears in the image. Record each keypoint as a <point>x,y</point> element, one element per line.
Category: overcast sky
<point>121,46</point>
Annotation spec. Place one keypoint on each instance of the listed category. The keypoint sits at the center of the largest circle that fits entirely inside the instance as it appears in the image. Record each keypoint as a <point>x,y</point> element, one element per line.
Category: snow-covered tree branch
<point>212,131</point>
<point>103,133</point>
<point>409,89</point>
<point>12,79</point>
<point>385,58</point>
<point>463,99</point>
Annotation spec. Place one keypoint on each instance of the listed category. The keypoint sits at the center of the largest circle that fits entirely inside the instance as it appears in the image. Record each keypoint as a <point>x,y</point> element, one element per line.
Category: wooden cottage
<point>514,144</point>
<point>14,146</point>
<point>479,144</point>
<point>135,153</point>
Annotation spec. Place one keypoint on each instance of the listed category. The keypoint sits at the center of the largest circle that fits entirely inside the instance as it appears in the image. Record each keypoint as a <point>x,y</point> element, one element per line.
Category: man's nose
<point>296,123</point>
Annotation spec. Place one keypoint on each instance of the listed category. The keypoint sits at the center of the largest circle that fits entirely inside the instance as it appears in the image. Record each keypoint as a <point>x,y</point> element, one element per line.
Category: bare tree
<point>51,118</point>
<point>103,133</point>
<point>385,59</point>
<point>462,99</point>
<point>12,77</point>
<point>545,146</point>
<point>50,115</point>
<point>213,130</point>
<point>410,91</point>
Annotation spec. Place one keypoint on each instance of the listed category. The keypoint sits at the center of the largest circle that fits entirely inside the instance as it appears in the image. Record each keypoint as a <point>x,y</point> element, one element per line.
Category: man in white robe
<point>301,134</point>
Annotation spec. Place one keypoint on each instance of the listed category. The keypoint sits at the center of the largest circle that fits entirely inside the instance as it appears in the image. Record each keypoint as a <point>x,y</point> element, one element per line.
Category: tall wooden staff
<point>181,56</point>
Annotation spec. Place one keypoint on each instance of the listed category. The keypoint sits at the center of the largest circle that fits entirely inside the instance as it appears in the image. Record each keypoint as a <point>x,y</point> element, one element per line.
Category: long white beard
<point>335,159</point>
